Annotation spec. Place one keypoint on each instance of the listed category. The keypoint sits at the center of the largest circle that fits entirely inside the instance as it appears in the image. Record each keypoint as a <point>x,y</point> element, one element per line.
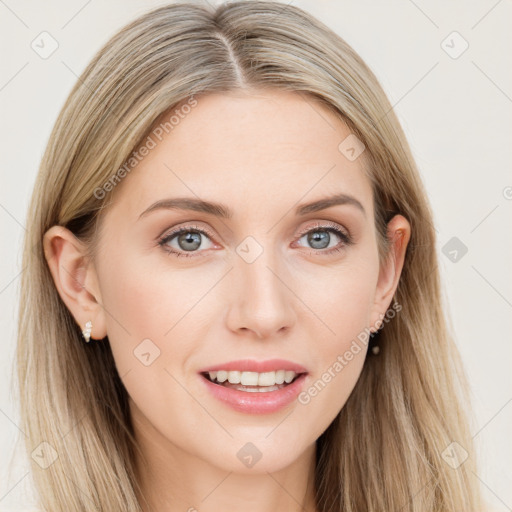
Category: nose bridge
<point>261,302</point>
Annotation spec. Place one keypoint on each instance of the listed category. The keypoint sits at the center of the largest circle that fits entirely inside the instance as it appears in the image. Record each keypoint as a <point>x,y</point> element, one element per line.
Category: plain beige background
<point>455,104</point>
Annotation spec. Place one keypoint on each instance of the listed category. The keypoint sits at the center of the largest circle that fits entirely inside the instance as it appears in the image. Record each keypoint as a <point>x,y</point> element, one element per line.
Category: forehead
<point>247,149</point>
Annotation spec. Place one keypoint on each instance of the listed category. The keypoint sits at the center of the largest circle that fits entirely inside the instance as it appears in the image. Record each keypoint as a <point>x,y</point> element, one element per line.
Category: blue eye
<point>320,238</point>
<point>189,240</point>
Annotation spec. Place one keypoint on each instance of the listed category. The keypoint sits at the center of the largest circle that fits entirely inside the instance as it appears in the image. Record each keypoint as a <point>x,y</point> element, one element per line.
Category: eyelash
<point>328,226</point>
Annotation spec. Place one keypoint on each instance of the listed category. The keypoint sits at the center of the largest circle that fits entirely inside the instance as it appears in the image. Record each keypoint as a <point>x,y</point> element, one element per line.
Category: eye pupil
<point>189,238</point>
<point>317,239</point>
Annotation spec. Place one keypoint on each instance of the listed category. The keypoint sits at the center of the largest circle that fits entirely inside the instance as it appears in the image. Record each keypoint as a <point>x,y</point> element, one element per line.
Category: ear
<point>75,278</point>
<point>399,234</point>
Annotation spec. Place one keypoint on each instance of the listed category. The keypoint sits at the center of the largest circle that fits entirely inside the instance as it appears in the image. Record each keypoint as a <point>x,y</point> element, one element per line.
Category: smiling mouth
<point>252,382</point>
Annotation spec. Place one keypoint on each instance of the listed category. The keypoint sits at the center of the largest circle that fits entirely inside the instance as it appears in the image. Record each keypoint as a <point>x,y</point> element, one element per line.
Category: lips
<point>256,400</point>
<point>285,380</point>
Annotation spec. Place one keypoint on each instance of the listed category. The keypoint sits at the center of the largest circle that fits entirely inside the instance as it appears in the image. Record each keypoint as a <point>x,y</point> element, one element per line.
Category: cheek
<point>345,305</point>
<point>338,366</point>
<point>326,392</point>
<point>146,301</point>
<point>343,300</point>
<point>154,326</point>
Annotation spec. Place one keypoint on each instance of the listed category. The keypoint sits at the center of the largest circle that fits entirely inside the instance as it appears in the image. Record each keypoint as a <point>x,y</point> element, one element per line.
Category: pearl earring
<point>86,333</point>
<point>373,343</point>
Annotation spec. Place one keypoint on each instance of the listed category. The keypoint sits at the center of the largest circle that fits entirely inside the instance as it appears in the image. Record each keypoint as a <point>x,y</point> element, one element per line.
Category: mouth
<point>253,382</point>
<point>255,387</point>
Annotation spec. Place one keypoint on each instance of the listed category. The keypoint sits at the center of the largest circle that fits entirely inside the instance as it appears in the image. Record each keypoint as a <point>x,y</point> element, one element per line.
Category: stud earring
<point>374,347</point>
<point>86,333</point>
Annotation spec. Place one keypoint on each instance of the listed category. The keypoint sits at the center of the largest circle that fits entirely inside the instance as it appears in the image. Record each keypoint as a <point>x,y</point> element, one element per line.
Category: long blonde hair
<point>384,450</point>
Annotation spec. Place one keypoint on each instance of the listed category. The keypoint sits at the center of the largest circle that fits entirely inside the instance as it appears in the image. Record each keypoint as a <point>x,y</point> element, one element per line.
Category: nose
<point>261,300</point>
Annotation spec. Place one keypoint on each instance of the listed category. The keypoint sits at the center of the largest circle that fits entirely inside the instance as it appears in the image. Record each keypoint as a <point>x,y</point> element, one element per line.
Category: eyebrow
<point>220,210</point>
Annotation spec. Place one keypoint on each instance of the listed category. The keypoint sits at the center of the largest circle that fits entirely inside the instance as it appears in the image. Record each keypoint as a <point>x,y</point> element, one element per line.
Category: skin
<point>261,154</point>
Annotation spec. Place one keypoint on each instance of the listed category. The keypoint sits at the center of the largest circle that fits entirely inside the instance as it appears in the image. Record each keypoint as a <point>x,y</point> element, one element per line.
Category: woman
<point>232,296</point>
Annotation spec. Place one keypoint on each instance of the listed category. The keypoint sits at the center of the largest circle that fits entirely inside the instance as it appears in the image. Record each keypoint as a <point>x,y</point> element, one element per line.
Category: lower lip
<point>256,402</point>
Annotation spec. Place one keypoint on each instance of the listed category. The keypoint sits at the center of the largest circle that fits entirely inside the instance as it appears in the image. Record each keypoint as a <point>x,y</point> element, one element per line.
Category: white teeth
<point>234,377</point>
<point>267,379</point>
<point>288,376</point>
<point>222,375</point>
<point>253,378</point>
<point>249,379</point>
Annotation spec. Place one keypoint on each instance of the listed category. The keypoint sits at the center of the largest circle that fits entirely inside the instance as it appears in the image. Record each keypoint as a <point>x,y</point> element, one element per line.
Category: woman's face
<point>263,277</point>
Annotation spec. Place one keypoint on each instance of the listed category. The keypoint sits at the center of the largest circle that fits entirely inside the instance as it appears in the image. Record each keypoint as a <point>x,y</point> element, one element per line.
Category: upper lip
<point>250,365</point>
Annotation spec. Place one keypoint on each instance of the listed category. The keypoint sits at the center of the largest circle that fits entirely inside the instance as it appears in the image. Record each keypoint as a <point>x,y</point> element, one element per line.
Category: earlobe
<point>398,233</point>
<point>72,273</point>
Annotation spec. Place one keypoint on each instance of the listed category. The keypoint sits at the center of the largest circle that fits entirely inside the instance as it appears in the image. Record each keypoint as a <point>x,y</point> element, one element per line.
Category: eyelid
<point>185,227</point>
<point>324,224</point>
